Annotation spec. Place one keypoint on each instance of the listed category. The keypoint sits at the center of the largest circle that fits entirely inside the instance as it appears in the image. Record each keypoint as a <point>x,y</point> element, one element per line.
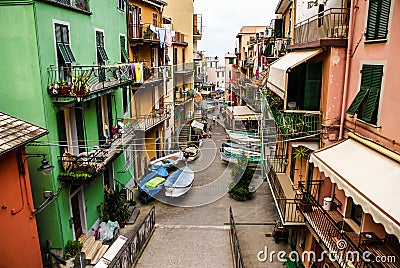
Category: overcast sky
<point>222,20</point>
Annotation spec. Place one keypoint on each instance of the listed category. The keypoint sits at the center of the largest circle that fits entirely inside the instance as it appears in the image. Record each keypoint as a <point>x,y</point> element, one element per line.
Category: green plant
<point>75,175</point>
<point>72,249</point>
<point>242,175</point>
<point>114,207</point>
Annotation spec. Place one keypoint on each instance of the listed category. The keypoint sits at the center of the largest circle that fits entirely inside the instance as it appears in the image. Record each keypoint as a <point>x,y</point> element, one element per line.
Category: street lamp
<point>45,168</point>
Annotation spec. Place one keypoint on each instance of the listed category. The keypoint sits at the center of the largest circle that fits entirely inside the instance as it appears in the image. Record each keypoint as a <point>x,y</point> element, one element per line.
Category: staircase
<point>184,135</point>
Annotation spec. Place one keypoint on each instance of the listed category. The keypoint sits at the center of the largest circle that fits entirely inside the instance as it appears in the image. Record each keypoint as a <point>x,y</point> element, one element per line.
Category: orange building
<point>20,246</point>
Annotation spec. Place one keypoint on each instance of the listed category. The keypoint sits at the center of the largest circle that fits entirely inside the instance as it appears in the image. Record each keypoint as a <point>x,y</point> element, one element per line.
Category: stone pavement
<point>193,230</point>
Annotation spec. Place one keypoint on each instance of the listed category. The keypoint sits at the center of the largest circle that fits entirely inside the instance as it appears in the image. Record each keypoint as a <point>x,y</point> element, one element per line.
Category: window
<point>175,59</point>
<point>378,18</point>
<point>101,52</point>
<point>62,41</point>
<point>124,53</point>
<point>154,19</point>
<point>356,213</point>
<point>231,61</point>
<point>183,55</point>
<point>125,99</point>
<point>121,5</point>
<point>217,74</point>
<point>366,102</point>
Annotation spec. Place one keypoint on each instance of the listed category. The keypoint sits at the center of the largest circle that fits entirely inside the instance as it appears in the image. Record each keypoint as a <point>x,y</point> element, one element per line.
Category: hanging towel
<point>153,28</point>
<point>137,73</point>
<point>161,35</point>
<point>133,71</point>
<point>168,37</point>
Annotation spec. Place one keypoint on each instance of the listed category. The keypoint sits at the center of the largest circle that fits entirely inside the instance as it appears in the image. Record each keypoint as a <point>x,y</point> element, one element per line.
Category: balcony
<point>283,193</point>
<point>147,121</point>
<point>292,123</point>
<point>184,68</point>
<point>326,28</point>
<point>78,5</point>
<point>179,38</point>
<point>182,97</point>
<point>329,227</point>
<point>140,33</point>
<point>197,26</point>
<point>82,83</point>
<point>87,166</point>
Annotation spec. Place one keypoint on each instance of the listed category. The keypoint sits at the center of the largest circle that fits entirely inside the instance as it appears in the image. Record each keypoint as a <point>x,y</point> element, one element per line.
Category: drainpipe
<point>353,8</point>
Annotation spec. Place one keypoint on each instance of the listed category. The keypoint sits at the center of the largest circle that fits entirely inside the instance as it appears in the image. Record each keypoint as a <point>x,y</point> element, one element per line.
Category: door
<point>76,210</point>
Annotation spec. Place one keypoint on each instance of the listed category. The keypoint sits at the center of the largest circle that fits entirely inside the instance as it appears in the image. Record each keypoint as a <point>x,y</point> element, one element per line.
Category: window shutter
<point>62,132</point>
<point>123,49</point>
<point>69,52</point>
<point>357,101</point>
<point>80,129</point>
<point>64,53</point>
<point>99,121</point>
<point>375,72</point>
<point>378,18</point>
<point>312,92</point>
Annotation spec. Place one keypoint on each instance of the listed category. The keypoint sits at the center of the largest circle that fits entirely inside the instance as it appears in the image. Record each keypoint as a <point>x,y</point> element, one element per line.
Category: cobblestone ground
<point>193,230</point>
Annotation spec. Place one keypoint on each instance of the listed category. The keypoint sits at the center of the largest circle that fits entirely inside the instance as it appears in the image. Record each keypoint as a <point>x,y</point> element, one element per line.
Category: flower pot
<point>122,224</point>
<point>65,90</point>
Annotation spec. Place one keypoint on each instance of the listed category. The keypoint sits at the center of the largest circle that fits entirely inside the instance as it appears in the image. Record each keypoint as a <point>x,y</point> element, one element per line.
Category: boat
<point>179,182</point>
<point>193,152</point>
<point>232,155</point>
<point>241,137</point>
<point>247,147</point>
<point>147,188</point>
<point>168,162</point>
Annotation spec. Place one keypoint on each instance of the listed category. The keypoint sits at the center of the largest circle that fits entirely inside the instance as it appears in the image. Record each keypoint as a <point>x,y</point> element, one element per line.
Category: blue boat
<point>147,193</point>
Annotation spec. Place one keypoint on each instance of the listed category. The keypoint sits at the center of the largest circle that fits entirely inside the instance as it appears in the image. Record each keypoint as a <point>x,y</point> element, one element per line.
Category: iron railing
<point>237,253</point>
<point>147,121</point>
<point>130,252</point>
<point>286,206</point>
<point>184,67</point>
<point>294,124</point>
<point>337,241</point>
<point>79,4</point>
<point>79,81</point>
<point>144,31</point>
<point>332,23</point>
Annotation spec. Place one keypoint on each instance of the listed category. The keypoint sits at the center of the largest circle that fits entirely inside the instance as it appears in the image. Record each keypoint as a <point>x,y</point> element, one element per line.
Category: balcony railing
<point>287,206</point>
<point>147,121</point>
<point>78,4</point>
<point>179,37</point>
<point>332,23</point>
<point>142,32</point>
<point>294,124</point>
<point>181,97</point>
<point>83,81</point>
<point>186,67</point>
<point>197,26</point>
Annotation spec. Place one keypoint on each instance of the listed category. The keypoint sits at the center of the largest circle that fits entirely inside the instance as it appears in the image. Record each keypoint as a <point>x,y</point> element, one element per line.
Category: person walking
<point>214,118</point>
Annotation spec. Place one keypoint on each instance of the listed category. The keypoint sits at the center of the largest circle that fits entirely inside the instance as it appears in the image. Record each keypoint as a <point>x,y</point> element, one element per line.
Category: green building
<point>63,68</point>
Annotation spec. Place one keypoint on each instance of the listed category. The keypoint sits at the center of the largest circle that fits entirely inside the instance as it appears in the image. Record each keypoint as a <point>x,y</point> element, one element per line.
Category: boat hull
<point>176,192</point>
<point>228,159</point>
<point>179,182</point>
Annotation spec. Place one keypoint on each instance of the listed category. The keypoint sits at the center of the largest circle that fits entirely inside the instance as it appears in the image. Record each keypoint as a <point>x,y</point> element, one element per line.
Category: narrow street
<point>193,230</point>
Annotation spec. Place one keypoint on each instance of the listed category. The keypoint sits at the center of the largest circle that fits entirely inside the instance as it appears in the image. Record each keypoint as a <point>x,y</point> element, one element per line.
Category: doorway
<point>77,210</point>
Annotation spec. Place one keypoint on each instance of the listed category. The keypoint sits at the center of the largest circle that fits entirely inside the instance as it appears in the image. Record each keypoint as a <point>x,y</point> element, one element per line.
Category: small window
<point>101,52</point>
<point>231,61</point>
<point>356,213</point>
<point>121,5</point>
<point>366,102</point>
<point>124,53</point>
<point>378,19</point>
<point>62,40</point>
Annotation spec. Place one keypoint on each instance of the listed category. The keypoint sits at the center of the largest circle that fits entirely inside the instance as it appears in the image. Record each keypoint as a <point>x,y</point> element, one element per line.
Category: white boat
<point>231,155</point>
<point>193,152</point>
<point>168,161</point>
<point>179,182</point>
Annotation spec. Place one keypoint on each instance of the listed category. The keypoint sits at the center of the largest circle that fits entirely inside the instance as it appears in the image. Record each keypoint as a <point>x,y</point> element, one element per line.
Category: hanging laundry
<point>161,36</point>
<point>133,71</point>
<point>153,28</point>
<point>168,37</point>
<point>138,73</point>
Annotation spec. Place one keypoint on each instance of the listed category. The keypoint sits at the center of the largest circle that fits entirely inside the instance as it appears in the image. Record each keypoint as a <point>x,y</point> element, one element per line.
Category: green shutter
<point>357,101</point>
<point>63,52</point>
<point>99,121</point>
<point>312,91</point>
<point>375,73</point>
<point>62,132</point>
<point>123,48</point>
<point>102,53</point>
<point>378,18</point>
<point>80,129</point>
<point>69,52</point>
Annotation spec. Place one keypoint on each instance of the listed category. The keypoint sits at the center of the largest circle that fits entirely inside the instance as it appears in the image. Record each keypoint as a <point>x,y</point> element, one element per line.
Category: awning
<point>310,145</point>
<point>197,124</point>
<point>370,178</point>
<point>278,69</point>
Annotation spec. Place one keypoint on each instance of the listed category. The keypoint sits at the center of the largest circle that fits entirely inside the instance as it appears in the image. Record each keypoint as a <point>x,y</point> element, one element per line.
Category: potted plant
<point>71,251</point>
<point>115,207</point>
<point>122,215</point>
<point>305,203</point>
<point>80,84</point>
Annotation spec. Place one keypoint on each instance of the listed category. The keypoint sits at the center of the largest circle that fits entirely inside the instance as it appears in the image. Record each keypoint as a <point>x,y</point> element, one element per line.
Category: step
<point>99,254</point>
<point>133,216</point>
<point>93,250</point>
<point>88,243</point>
